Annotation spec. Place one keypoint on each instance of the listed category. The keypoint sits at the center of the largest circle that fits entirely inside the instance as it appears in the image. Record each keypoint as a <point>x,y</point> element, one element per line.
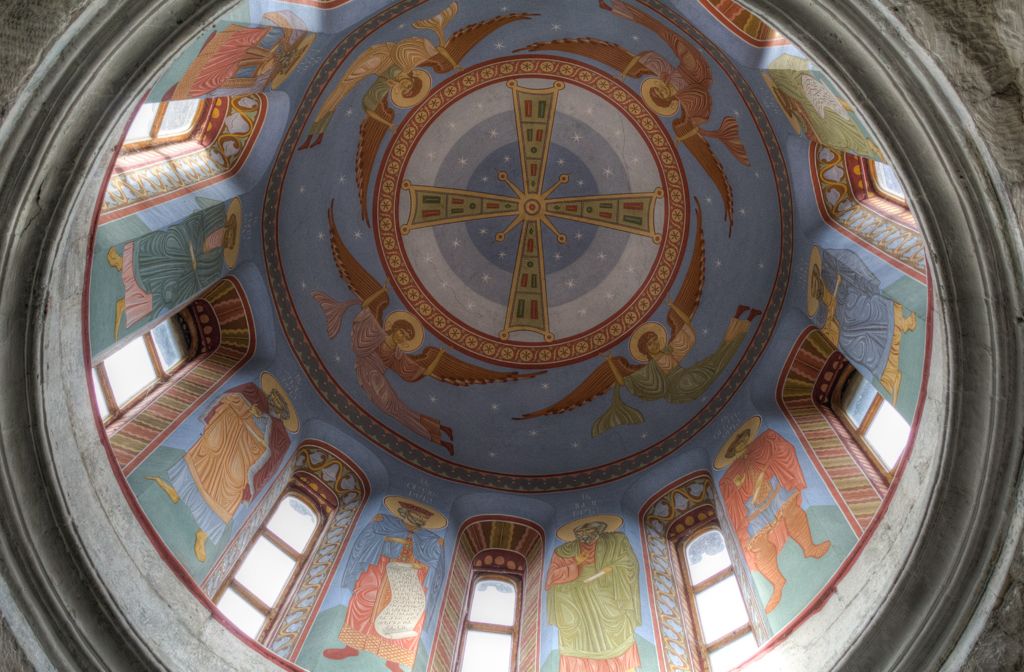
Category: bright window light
<point>706,556</point>
<point>888,434</point>
<point>168,345</point>
<point>101,399</point>
<point>494,602</point>
<point>733,653</point>
<point>721,609</point>
<point>487,652</point>
<point>178,117</point>
<point>265,571</point>
<point>857,399</point>
<point>129,370</point>
<point>142,124</point>
<point>294,523</point>
<point>887,181</point>
<point>248,619</point>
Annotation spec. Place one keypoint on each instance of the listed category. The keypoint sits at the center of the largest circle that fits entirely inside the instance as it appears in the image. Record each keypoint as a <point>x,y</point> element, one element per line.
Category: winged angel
<point>399,69</point>
<point>381,344</point>
<point>670,88</point>
<point>659,373</point>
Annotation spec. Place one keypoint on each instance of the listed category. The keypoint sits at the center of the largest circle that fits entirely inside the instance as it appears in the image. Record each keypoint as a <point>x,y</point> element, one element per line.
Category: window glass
<point>129,370</point>
<point>857,398</point>
<point>494,602</point>
<point>706,556</point>
<point>167,339</point>
<point>721,609</point>
<point>487,652</point>
<point>887,181</point>
<point>178,117</point>
<point>265,571</point>
<point>101,399</point>
<point>248,619</point>
<point>733,653</point>
<point>888,434</point>
<point>293,522</point>
<point>142,124</point>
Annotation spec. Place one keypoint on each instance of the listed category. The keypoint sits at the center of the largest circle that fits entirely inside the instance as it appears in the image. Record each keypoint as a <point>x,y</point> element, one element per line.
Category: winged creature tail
<point>702,151</point>
<point>617,415</point>
<point>334,311</point>
<point>729,134</point>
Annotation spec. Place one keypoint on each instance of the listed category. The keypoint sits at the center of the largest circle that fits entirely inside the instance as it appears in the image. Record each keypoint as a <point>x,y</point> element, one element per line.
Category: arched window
<point>124,377</point>
<point>162,123</point>
<point>263,577</point>
<point>723,624</point>
<point>875,423</point>
<point>490,629</point>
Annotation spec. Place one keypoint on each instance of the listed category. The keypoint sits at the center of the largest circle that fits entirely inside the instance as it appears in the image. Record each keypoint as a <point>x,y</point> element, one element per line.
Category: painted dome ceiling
<point>531,219</point>
<point>439,252</point>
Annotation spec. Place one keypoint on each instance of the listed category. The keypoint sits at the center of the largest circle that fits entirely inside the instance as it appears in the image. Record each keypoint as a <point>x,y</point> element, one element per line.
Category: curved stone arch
<point>90,591</point>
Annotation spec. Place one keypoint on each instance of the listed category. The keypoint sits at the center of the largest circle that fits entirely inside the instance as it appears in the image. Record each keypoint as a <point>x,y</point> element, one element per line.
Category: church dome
<point>626,309</point>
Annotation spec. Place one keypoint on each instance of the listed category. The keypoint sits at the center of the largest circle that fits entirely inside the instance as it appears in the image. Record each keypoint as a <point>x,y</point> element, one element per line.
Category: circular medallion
<point>519,234</point>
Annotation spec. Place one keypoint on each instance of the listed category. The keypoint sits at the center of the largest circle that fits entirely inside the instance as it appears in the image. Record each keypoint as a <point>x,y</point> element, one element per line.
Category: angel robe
<point>388,540</point>
<point>662,377</point>
<point>374,356</point>
<point>596,617</point>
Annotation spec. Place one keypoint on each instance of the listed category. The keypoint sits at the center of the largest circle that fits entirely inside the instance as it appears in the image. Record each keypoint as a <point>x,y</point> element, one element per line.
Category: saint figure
<point>846,302</point>
<point>395,568</point>
<point>594,597</point>
<point>763,493</point>
<point>242,445</point>
<point>163,269</point>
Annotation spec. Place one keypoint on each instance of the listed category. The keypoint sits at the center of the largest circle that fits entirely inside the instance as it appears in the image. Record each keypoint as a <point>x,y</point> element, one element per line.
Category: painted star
<point>303,284</point>
<point>704,331</point>
<point>579,235</point>
<point>602,256</point>
<point>483,179</point>
<point>577,138</point>
<point>533,432</point>
<point>493,133</point>
<point>456,243</point>
<point>760,264</point>
<point>499,45</point>
<point>506,158</point>
<point>545,386</point>
<point>494,407</point>
<point>433,399</point>
<point>463,161</point>
<point>579,182</point>
<point>558,256</point>
<point>321,236</point>
<point>575,444</point>
<point>302,189</point>
<point>743,211</point>
<point>483,232</point>
<point>718,263</point>
<point>427,259</point>
<point>561,161</point>
<point>337,358</point>
<point>609,296</point>
<point>451,125</point>
<point>349,112</point>
<point>581,312</point>
<point>358,234</point>
<point>502,254</point>
<point>485,277</point>
<point>556,27</point>
<point>608,172</point>
<point>570,283</point>
<point>342,179</point>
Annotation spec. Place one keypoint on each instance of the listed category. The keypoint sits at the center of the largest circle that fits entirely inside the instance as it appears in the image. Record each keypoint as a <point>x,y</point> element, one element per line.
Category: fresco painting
<point>593,597</point>
<point>764,490</point>
<point>815,107</point>
<point>244,442</point>
<point>145,276</point>
<point>245,59</point>
<point>547,199</point>
<point>867,323</point>
<point>393,573</point>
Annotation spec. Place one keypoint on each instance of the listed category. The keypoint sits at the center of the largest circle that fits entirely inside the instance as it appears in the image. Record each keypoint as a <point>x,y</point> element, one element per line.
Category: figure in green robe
<point>166,268</point>
<point>594,600</point>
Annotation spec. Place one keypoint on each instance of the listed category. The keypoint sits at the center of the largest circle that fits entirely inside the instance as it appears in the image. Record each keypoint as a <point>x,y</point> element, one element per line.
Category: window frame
<point>691,590</point>
<point>467,625</point>
<point>182,325</point>
<point>154,140</point>
<point>858,432</point>
<point>879,190</point>
<point>301,560</point>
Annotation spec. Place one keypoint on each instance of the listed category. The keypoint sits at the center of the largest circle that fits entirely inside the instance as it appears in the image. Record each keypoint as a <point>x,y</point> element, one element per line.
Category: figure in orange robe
<point>762,493</point>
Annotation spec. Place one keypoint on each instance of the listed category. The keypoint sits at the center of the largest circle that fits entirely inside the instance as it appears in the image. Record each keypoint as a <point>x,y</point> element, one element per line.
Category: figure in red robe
<point>762,490</point>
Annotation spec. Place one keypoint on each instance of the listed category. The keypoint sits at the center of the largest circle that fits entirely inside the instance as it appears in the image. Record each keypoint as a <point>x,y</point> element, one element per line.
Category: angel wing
<point>627,63</point>
<point>373,61</point>
<point>611,372</point>
<point>371,134</point>
<point>691,62</point>
<point>437,23</point>
<point>698,146</point>
<point>464,39</point>
<point>439,365</point>
<point>682,308</point>
<point>373,294</point>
